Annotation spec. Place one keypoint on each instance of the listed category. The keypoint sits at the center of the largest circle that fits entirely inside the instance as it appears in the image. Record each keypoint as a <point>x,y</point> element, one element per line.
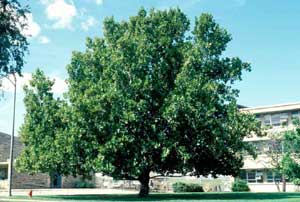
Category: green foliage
<point>296,181</point>
<point>187,187</point>
<point>286,153</point>
<point>149,96</point>
<point>84,184</point>
<point>240,186</point>
<point>48,148</point>
<point>13,43</point>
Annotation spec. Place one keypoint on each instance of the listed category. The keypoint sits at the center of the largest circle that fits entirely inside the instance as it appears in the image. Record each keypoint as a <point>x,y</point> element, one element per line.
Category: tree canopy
<point>151,95</point>
<point>13,44</point>
<point>289,154</point>
<point>43,133</point>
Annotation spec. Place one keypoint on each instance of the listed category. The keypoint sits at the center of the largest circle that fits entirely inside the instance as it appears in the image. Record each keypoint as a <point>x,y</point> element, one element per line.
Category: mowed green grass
<point>190,197</point>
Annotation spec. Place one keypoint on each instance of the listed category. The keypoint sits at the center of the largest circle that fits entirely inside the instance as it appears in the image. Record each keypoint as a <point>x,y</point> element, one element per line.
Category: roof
<point>272,108</point>
<point>5,146</point>
<point>241,106</point>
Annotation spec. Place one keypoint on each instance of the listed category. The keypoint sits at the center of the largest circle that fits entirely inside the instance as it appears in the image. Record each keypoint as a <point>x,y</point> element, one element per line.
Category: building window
<point>257,117</point>
<point>259,177</point>
<point>265,146</point>
<point>270,176</point>
<point>284,117</point>
<point>275,118</point>
<point>3,173</point>
<point>267,120</point>
<point>295,115</point>
<point>278,177</point>
<point>243,175</point>
<point>251,176</point>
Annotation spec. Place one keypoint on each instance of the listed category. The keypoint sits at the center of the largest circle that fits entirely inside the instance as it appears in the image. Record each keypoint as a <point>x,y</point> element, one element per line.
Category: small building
<point>260,173</point>
<point>25,180</point>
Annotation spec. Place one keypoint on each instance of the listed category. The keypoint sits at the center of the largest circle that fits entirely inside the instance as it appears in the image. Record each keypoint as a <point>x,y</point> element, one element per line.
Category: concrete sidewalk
<point>22,200</point>
<point>48,192</point>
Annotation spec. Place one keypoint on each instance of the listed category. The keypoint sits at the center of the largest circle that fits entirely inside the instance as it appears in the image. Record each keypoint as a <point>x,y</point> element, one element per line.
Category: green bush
<point>184,187</point>
<point>296,181</point>
<point>240,186</point>
<point>84,184</point>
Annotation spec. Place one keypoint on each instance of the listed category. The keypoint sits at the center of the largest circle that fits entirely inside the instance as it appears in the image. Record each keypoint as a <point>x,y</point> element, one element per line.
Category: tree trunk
<point>283,184</point>
<point>144,179</point>
<point>277,186</point>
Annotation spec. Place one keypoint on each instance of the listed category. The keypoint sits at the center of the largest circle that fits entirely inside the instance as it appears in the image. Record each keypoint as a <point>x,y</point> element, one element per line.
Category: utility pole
<point>283,176</point>
<point>11,158</point>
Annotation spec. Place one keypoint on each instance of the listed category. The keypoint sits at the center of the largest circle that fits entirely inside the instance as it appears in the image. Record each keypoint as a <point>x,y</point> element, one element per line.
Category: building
<point>259,172</point>
<point>25,180</point>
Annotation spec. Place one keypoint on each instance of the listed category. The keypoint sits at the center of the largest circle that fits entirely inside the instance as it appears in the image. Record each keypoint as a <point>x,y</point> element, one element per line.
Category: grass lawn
<point>190,197</point>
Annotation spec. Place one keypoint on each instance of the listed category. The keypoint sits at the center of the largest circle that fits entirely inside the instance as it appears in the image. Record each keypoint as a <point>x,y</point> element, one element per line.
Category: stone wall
<point>70,181</point>
<point>27,181</point>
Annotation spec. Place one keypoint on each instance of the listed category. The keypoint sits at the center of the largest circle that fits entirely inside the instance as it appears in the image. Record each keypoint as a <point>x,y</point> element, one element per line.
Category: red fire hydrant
<point>30,193</point>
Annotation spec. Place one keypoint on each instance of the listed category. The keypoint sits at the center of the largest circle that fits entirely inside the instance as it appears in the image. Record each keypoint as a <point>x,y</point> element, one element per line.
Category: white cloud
<point>61,12</point>
<point>90,22</point>
<point>32,29</point>
<point>99,2</point>
<point>43,40</point>
<point>59,87</point>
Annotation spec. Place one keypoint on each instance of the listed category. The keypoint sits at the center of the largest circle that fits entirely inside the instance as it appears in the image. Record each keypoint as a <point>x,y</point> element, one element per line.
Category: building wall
<point>27,181</point>
<point>271,187</point>
<point>275,120</point>
<point>70,181</point>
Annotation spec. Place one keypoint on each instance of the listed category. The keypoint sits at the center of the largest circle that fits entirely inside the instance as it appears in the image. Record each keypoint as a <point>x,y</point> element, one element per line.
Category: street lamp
<point>13,81</point>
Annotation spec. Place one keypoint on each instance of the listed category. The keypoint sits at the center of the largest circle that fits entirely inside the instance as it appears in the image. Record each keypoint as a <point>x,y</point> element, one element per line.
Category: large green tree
<point>13,44</point>
<point>47,146</point>
<point>285,154</point>
<point>151,95</point>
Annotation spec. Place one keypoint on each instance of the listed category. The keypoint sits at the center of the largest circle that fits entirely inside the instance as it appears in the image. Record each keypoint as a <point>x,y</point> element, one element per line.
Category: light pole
<point>11,153</point>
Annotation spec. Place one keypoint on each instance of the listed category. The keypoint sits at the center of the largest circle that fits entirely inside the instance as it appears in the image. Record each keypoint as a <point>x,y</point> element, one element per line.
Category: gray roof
<point>5,146</point>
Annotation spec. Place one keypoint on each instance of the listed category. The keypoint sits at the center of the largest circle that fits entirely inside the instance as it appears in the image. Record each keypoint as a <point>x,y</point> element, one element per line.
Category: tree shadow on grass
<point>185,197</point>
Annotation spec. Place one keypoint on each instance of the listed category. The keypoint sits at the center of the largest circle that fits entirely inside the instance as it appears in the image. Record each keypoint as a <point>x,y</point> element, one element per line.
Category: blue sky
<point>265,33</point>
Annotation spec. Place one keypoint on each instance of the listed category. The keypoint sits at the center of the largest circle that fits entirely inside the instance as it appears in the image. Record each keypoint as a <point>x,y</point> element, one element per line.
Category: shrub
<point>296,181</point>
<point>240,186</point>
<point>184,187</point>
<point>84,184</point>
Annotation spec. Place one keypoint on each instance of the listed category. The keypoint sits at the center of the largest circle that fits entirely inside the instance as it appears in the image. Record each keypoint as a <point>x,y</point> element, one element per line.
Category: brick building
<point>25,180</point>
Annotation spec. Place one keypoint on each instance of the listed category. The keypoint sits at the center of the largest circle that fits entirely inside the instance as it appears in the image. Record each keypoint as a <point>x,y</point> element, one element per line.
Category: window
<point>259,176</point>
<point>251,176</point>
<point>258,118</point>
<point>243,175</point>
<point>278,177</point>
<point>275,118</point>
<point>295,115</point>
<point>270,176</point>
<point>3,173</point>
<point>264,146</point>
<point>267,120</point>
<point>284,117</point>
